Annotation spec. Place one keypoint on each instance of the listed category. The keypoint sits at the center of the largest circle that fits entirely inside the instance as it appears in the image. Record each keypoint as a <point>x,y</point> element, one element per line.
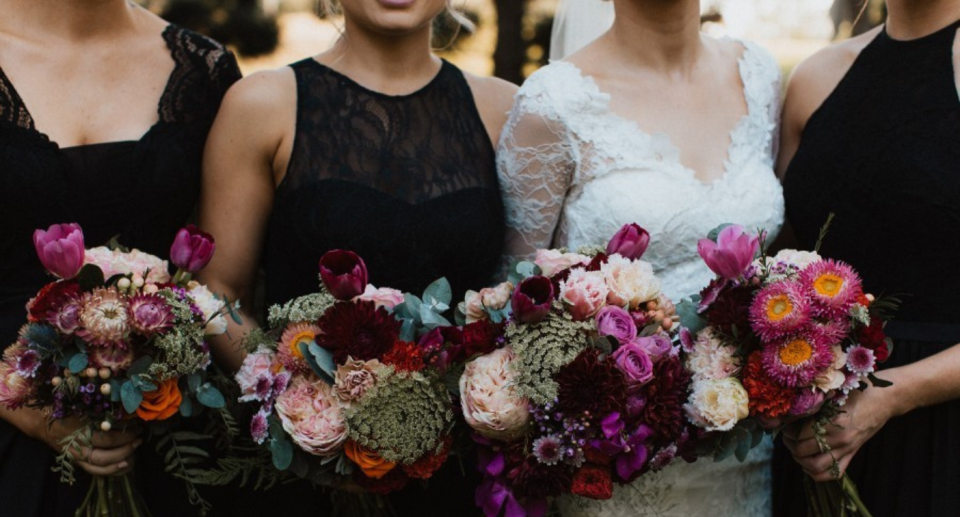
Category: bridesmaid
<point>104,109</point>
<point>377,146</point>
<point>872,133</point>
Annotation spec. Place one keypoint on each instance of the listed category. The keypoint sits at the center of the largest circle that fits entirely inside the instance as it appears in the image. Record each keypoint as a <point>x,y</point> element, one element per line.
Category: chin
<point>393,16</point>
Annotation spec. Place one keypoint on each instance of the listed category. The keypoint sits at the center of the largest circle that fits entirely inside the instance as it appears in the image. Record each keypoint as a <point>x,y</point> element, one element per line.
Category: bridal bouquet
<point>585,388</point>
<point>344,390</point>
<point>775,340</point>
<point>115,342</point>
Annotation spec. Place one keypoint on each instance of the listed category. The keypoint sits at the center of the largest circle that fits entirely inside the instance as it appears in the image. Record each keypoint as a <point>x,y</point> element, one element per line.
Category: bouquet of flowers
<point>775,340</point>
<point>115,342</point>
<point>344,390</point>
<point>585,388</point>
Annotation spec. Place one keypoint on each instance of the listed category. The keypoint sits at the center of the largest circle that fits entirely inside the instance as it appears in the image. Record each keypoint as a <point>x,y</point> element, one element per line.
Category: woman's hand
<point>865,413</point>
<point>111,453</point>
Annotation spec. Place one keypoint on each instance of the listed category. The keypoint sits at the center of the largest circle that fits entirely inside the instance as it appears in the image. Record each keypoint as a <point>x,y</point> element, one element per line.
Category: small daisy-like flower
<point>548,449</point>
<point>797,361</point>
<point>663,457</point>
<point>289,353</point>
<point>851,383</point>
<point>264,388</point>
<point>259,428</point>
<point>860,360</point>
<point>833,286</point>
<point>780,309</point>
<point>105,318</point>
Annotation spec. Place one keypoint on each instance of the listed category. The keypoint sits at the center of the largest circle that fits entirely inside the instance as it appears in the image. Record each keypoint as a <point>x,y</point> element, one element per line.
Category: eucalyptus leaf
<point>78,362</point>
<point>282,453</point>
<point>715,233</point>
<point>408,330</point>
<point>193,382</point>
<point>690,317</point>
<point>431,319</point>
<point>210,396</point>
<point>439,292</point>
<point>140,366</point>
<point>743,448</point>
<point>131,397</point>
<point>114,390</point>
<point>186,407</point>
<point>412,305</point>
<point>528,269</point>
<point>322,362</point>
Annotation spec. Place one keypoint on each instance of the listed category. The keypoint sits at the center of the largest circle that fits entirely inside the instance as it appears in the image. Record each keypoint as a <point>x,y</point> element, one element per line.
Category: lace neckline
<point>168,37</point>
<point>445,67</point>
<point>671,150</point>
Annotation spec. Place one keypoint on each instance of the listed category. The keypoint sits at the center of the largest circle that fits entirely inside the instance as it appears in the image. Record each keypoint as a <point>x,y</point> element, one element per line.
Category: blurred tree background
<point>512,37</point>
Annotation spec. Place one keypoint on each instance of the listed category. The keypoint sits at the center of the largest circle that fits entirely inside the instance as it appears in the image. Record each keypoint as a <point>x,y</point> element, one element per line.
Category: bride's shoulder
<point>559,89</point>
<point>750,55</point>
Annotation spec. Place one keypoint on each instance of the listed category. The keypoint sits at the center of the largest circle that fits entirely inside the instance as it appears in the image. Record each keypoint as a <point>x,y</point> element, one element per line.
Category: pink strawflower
<point>796,361</point>
<point>150,314</point>
<point>27,362</point>
<point>259,428</point>
<point>778,310</point>
<point>105,318</point>
<point>833,332</point>
<point>860,360</point>
<point>113,357</point>
<point>66,316</point>
<point>289,352</point>
<point>832,286</point>
<point>548,450</point>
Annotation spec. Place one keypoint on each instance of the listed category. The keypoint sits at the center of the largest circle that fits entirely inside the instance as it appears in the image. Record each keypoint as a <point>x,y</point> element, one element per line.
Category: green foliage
<point>71,446</point>
<point>304,308</point>
<point>90,277</point>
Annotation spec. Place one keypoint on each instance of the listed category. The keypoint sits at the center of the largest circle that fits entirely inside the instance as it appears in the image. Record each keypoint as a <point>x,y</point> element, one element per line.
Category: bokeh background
<point>512,37</point>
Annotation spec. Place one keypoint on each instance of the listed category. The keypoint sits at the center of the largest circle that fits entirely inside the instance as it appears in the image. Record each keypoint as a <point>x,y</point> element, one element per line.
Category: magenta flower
<point>27,362</point>
<point>532,299</point>
<point>259,427</point>
<point>797,361</point>
<point>833,286</point>
<point>733,252</point>
<point>150,314</point>
<point>779,310</point>
<point>616,322</point>
<point>343,273</point>
<point>635,364</point>
<point>807,402</point>
<point>860,360</point>
<point>192,249</point>
<point>630,242</point>
<point>629,451</point>
<point>60,249</point>
<point>656,346</point>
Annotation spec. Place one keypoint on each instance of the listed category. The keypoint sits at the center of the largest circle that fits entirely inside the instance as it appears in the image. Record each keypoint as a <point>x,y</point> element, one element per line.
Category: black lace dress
<point>143,191</point>
<point>883,154</point>
<point>410,184</point>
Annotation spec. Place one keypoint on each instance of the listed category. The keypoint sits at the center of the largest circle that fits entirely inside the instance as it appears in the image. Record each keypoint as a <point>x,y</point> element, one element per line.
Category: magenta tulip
<point>733,252</point>
<point>192,249</point>
<point>344,274</point>
<point>532,299</point>
<point>630,242</point>
<point>60,249</point>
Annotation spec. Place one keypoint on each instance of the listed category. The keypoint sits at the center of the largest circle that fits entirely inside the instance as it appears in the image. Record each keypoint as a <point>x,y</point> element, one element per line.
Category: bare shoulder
<point>265,92</point>
<point>494,98</point>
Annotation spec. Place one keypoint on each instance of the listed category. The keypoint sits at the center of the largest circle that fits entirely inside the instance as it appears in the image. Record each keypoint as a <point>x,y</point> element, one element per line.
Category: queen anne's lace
<point>573,172</point>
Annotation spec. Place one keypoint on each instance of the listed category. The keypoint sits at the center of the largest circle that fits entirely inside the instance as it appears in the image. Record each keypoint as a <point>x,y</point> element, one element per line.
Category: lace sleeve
<point>775,105</point>
<point>536,161</point>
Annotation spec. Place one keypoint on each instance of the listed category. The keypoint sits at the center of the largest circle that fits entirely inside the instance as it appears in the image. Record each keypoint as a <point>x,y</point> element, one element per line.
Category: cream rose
<point>312,417</point>
<point>717,405</point>
<point>134,262</point>
<point>833,378</point>
<point>631,282</point>
<point>552,262</point>
<point>489,399</point>
<point>209,305</point>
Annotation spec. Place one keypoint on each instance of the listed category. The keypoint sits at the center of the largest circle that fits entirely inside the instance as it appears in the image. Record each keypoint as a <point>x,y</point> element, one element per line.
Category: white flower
<point>796,258</point>
<point>134,262</point>
<point>383,297</point>
<point>631,282</point>
<point>209,305</point>
<point>710,359</point>
<point>717,405</point>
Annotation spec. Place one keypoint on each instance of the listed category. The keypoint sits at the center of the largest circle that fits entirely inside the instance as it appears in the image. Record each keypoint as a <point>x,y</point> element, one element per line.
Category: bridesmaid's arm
<point>243,151</point>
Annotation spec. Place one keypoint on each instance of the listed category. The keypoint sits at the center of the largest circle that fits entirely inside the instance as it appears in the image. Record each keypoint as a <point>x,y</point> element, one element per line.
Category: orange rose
<point>161,403</point>
<point>370,462</point>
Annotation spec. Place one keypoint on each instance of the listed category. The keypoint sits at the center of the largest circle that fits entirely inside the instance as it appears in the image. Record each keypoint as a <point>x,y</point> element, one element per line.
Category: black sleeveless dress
<point>143,191</point>
<point>409,183</point>
<point>883,154</point>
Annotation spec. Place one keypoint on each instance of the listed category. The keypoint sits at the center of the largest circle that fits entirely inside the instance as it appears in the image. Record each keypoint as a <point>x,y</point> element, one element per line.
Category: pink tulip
<point>629,242</point>
<point>733,252</point>
<point>343,273</point>
<point>192,249</point>
<point>60,249</point>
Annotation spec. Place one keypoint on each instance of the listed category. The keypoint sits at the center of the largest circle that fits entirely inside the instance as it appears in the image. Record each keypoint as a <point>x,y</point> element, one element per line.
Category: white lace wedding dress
<point>573,172</point>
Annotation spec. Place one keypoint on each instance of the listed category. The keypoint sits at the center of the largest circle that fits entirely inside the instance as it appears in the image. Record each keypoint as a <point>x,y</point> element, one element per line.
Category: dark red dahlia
<point>49,298</point>
<point>405,357</point>
<point>427,465</point>
<point>592,481</point>
<point>873,338</point>
<point>732,309</point>
<point>591,384</point>
<point>395,480</point>
<point>666,395</point>
<point>360,330</point>
<point>480,337</point>
<point>534,479</point>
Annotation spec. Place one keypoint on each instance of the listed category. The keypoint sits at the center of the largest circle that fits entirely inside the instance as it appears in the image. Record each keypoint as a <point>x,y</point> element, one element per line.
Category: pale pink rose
<point>472,307</point>
<point>552,262</point>
<point>134,262</point>
<point>710,359</point>
<point>312,417</point>
<point>476,304</point>
<point>354,378</point>
<point>255,365</point>
<point>584,292</point>
<point>489,397</point>
<point>15,389</point>
<point>383,297</point>
<point>798,259</point>
<point>630,282</point>
<point>717,405</point>
<point>833,378</point>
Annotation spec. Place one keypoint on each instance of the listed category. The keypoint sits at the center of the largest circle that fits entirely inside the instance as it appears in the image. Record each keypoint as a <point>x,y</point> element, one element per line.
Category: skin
<point>662,73</point>
<point>386,48</point>
<point>111,55</point>
<point>932,381</point>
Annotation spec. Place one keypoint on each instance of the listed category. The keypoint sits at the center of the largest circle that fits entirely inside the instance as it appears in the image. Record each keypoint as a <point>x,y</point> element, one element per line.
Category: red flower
<point>427,465</point>
<point>49,298</point>
<point>480,338</point>
<point>732,309</point>
<point>405,357</point>
<point>534,479</point>
<point>395,480</point>
<point>360,330</point>
<point>666,395</point>
<point>592,481</point>
<point>599,260</point>
<point>591,384</point>
<point>596,457</point>
<point>873,338</point>
<point>766,396</point>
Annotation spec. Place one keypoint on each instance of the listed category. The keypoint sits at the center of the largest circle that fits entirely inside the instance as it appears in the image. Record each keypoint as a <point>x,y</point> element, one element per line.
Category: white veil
<point>577,23</point>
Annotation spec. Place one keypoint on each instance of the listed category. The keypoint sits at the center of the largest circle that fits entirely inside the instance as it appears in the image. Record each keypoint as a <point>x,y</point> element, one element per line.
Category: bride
<point>654,123</point>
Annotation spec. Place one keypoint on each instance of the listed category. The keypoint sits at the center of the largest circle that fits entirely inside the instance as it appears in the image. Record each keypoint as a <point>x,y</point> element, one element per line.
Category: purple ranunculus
<point>343,273</point>
<point>733,252</point>
<point>616,322</point>
<point>656,346</point>
<point>532,299</point>
<point>192,249</point>
<point>629,242</point>
<point>635,364</point>
<point>60,249</point>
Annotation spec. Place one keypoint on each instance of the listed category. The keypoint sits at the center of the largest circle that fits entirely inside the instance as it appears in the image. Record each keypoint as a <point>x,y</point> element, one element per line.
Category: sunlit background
<point>512,36</point>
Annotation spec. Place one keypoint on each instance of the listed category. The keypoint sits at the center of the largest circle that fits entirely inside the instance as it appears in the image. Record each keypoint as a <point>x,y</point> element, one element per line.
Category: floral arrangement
<point>344,389</point>
<point>115,341</point>
<point>584,388</point>
<point>774,340</point>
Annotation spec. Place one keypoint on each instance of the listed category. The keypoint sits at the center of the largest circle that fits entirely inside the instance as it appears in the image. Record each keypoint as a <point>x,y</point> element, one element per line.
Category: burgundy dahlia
<point>666,395</point>
<point>360,330</point>
<point>480,337</point>
<point>534,479</point>
<point>150,314</point>
<point>732,309</point>
<point>591,384</point>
